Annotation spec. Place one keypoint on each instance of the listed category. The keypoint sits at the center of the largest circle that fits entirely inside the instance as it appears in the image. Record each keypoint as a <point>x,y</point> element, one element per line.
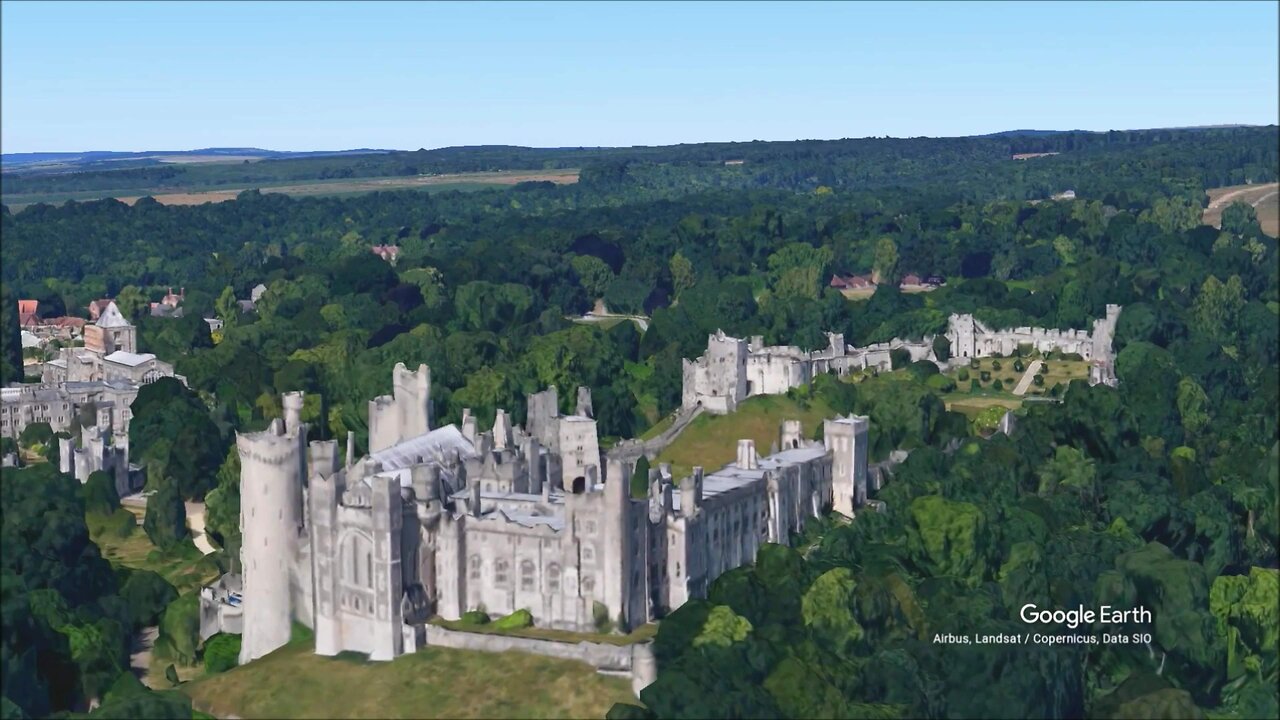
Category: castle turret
<point>847,441</point>
<point>271,464</point>
<point>747,458</point>
<point>584,408</point>
<point>292,403</point>
<point>791,434</point>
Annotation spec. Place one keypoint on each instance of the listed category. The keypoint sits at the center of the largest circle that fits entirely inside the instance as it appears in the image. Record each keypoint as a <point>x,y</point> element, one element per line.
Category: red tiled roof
<point>910,279</point>
<point>28,307</point>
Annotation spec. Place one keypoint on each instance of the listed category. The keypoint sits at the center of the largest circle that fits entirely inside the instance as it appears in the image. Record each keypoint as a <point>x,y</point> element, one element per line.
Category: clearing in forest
<point>1264,198</point>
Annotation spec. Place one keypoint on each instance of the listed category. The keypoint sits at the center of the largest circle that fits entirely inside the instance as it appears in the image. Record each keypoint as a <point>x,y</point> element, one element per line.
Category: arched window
<point>553,578</point>
<point>500,569</point>
<point>588,553</point>
<point>528,576</point>
<point>474,572</point>
<point>588,584</point>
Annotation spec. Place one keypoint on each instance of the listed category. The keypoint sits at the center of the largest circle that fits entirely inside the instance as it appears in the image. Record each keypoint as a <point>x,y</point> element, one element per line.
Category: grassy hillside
<point>712,440</point>
<point>293,682</point>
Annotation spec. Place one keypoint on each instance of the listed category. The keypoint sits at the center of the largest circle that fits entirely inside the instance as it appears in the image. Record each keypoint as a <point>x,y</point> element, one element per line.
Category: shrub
<point>221,653</point>
<point>985,375</point>
<point>1019,366</point>
<point>36,434</point>
<point>1044,368</point>
<point>995,365</point>
<point>180,630</point>
<point>997,385</point>
<point>1010,380</point>
<point>474,617</point>
<point>8,445</point>
<point>1026,349</point>
<point>147,595</point>
<point>940,383</point>
<point>600,613</point>
<point>519,619</point>
<point>975,386</point>
<point>1038,380</point>
<point>963,374</point>
<point>975,363</point>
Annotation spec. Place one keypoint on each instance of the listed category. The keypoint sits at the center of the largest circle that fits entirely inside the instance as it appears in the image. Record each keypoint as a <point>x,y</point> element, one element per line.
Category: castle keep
<point>446,520</point>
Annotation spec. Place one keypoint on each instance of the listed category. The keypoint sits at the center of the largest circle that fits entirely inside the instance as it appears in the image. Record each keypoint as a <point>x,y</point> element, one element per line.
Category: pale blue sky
<point>328,75</point>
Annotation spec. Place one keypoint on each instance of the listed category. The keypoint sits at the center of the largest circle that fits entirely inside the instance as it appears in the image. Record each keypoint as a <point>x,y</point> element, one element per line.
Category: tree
<point>886,261</point>
<point>797,270</point>
<point>1216,311</point>
<point>146,594</point>
<point>1240,219</point>
<point>227,308</point>
<point>682,276</point>
<point>131,302</point>
<point>640,478</point>
<point>100,495</point>
<point>38,433</point>
<point>173,429</point>
<point>593,273</point>
<point>166,520</point>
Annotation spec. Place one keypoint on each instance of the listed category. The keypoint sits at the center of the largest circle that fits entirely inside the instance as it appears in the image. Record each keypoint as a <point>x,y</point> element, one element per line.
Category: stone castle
<point>437,522</point>
<point>105,374</point>
<point>733,369</point>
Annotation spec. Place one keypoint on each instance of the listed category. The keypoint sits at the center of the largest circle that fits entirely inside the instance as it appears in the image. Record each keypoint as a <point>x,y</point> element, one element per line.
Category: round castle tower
<point>271,467</point>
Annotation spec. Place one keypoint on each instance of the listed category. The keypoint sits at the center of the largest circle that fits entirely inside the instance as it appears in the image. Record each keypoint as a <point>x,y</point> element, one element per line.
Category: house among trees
<point>852,282</point>
<point>170,305</point>
<point>97,307</point>
<point>386,252</point>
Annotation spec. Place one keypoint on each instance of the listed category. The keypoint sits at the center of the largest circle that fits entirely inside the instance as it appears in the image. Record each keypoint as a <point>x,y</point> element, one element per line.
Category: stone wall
<point>636,659</point>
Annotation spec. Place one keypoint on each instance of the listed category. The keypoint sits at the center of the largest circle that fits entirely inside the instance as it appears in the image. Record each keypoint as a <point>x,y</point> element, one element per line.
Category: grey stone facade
<point>452,519</point>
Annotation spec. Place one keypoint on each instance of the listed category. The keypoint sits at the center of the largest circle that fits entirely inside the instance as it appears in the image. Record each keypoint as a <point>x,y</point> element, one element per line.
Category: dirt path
<point>1027,377</point>
<point>195,521</point>
<point>140,653</point>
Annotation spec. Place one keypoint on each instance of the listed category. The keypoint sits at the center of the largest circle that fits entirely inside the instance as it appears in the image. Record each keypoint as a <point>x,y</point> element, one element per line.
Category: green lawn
<point>712,440</point>
<point>185,568</point>
<point>294,682</point>
<point>640,634</point>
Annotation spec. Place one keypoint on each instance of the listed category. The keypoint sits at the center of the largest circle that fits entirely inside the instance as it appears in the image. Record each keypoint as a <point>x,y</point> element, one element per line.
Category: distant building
<point>256,293</point>
<point>852,282</point>
<point>386,252</point>
<point>170,305</point>
<point>28,313</point>
<point>97,307</point>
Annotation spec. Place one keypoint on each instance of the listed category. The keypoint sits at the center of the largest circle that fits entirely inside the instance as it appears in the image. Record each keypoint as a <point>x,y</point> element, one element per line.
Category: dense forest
<point>973,165</point>
<point>1160,493</point>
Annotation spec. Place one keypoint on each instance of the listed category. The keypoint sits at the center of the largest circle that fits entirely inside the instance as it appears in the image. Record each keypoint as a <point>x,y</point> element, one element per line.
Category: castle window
<point>553,578</point>
<point>474,572</point>
<point>500,569</point>
<point>527,576</point>
<point>588,584</point>
<point>588,553</point>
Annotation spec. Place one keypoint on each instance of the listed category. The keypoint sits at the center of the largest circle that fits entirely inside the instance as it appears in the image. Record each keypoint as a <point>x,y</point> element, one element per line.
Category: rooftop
<point>120,357</point>
<point>111,318</point>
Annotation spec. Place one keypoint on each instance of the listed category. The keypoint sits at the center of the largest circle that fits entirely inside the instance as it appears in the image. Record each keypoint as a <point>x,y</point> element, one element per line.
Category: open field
<point>712,440</point>
<point>293,682</point>
<point>428,183</point>
<point>1265,200</point>
<point>1055,372</point>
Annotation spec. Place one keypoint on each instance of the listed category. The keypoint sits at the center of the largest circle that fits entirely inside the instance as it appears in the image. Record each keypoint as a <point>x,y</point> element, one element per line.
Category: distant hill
<point>111,159</point>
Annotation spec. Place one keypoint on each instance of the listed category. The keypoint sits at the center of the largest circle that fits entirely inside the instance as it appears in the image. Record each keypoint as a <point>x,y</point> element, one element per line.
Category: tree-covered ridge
<point>1242,155</point>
